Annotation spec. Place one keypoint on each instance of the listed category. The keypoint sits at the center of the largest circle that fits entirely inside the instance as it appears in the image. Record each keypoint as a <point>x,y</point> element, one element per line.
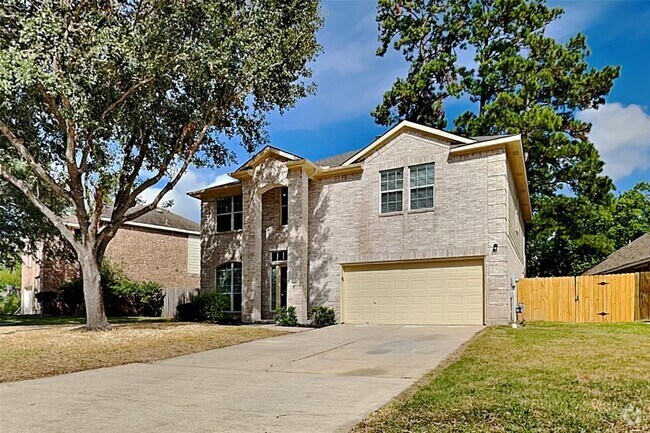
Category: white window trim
<point>231,213</point>
<point>411,188</point>
<point>391,190</point>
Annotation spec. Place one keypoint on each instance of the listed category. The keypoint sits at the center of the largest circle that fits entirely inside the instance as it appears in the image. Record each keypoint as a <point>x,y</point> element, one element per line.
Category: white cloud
<point>578,16</point>
<point>222,179</point>
<point>622,136</point>
<point>185,205</point>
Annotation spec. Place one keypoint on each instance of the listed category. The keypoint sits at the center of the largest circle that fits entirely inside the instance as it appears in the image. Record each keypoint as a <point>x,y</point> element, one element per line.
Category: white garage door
<point>437,292</point>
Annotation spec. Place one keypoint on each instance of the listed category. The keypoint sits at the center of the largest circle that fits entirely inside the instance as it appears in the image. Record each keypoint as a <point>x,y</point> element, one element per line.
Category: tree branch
<point>18,144</point>
<point>120,217</point>
<point>124,96</point>
<point>54,218</point>
<point>51,103</point>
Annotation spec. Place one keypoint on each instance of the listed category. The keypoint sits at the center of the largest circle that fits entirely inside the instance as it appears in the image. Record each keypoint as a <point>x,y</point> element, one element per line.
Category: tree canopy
<point>101,100</point>
<point>22,226</point>
<point>497,55</point>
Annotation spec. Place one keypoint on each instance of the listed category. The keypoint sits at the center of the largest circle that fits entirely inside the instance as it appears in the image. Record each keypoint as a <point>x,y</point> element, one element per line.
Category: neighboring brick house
<point>159,246</point>
<point>419,227</point>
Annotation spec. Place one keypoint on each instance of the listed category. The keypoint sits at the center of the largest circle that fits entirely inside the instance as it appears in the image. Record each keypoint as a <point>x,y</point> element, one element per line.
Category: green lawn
<point>32,320</point>
<point>545,377</point>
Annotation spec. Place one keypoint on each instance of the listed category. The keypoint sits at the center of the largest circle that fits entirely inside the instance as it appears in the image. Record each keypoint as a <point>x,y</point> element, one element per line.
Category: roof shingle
<point>336,160</point>
<point>635,253</point>
<point>158,217</point>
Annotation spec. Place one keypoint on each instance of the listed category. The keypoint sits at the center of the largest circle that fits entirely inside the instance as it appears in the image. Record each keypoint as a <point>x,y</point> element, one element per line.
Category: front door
<point>278,286</point>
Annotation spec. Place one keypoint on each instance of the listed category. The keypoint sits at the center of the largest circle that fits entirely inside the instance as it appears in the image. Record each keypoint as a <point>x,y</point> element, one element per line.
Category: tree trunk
<point>96,319</point>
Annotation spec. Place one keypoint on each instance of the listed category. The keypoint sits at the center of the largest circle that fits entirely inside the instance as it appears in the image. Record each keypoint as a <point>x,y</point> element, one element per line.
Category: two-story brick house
<point>158,246</point>
<point>419,227</point>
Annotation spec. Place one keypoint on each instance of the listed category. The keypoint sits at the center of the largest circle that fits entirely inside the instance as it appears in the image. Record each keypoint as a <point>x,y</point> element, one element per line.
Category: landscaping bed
<point>28,352</point>
<point>543,377</point>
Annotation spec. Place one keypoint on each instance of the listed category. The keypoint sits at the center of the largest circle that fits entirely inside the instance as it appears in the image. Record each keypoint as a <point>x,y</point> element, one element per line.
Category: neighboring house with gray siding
<point>419,227</point>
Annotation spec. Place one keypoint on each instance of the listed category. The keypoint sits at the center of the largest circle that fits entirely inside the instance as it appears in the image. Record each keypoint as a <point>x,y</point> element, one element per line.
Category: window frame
<point>389,191</point>
<point>280,256</point>
<point>432,185</point>
<point>233,213</point>
<point>273,282</point>
<point>284,206</point>
<point>231,267</point>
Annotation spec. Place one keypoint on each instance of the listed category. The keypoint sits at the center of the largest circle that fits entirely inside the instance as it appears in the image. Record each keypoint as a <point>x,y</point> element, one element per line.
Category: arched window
<point>229,283</point>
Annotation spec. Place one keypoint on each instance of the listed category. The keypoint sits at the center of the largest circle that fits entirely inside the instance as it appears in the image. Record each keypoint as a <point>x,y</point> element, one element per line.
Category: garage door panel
<point>414,293</point>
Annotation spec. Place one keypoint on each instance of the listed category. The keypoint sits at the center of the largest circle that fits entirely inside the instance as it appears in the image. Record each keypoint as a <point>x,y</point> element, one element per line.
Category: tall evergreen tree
<point>522,81</point>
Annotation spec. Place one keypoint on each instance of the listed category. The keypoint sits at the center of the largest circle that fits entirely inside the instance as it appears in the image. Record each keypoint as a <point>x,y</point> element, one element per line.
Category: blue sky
<point>351,80</point>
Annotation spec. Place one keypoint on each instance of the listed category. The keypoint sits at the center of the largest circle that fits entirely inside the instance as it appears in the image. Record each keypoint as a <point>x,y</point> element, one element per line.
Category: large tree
<point>497,55</point>
<point>630,215</point>
<point>100,100</point>
<point>22,226</point>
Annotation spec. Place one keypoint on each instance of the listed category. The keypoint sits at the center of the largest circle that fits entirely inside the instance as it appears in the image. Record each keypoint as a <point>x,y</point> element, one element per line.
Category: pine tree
<point>520,81</point>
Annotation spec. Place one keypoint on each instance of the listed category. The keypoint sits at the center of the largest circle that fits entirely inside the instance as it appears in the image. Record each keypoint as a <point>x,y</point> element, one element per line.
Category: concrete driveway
<point>314,381</point>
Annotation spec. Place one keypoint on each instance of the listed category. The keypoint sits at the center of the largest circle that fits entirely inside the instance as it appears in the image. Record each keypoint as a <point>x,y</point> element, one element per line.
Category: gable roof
<point>491,137</point>
<point>634,254</point>
<point>350,162</point>
<point>267,151</point>
<point>160,219</point>
<point>404,125</point>
<point>452,140</point>
<point>336,160</point>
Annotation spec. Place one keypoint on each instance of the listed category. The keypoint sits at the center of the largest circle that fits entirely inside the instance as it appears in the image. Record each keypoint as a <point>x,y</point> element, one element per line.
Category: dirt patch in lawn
<point>544,377</point>
<point>28,353</point>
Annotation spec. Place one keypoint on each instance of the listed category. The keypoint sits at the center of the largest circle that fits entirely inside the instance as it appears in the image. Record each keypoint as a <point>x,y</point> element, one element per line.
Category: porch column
<point>251,255</point>
<point>298,246</point>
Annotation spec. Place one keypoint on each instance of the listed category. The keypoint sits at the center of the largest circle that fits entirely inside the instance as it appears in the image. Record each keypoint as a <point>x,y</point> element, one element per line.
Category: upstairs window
<point>279,256</point>
<point>422,178</point>
<point>392,183</point>
<point>284,215</point>
<point>230,213</point>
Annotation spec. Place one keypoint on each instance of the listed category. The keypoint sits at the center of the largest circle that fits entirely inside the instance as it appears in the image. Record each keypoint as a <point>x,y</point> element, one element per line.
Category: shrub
<point>49,303</point>
<point>70,299</point>
<point>9,303</point>
<point>286,316</point>
<point>188,312</point>
<point>9,277</point>
<point>130,298</point>
<point>323,316</point>
<point>207,307</point>
<point>122,296</point>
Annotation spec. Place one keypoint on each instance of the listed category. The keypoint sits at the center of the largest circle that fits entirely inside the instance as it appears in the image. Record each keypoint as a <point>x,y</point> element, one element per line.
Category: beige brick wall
<point>274,238</point>
<point>216,248</point>
<point>344,225</point>
<point>469,217</point>
<point>516,253</point>
<point>263,233</point>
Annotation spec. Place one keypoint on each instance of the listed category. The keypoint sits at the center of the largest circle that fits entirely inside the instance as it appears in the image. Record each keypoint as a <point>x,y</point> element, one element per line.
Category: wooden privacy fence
<point>173,297</point>
<point>586,299</point>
